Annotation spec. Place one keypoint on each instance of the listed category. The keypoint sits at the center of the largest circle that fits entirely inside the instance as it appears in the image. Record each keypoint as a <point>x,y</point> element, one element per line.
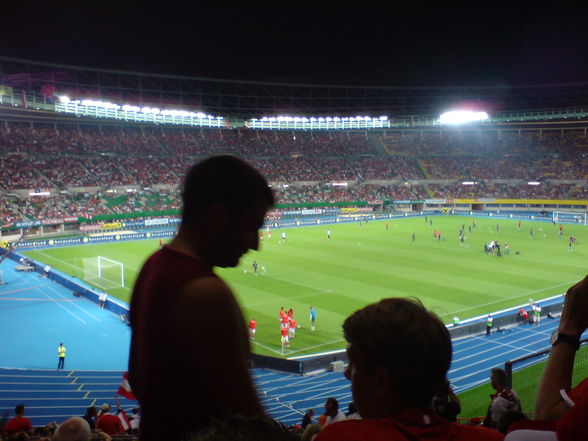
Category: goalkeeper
<point>189,359</point>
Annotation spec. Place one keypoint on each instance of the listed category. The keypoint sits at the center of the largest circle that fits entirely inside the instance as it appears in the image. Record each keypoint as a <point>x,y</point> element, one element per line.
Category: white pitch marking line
<point>67,310</point>
<point>76,305</point>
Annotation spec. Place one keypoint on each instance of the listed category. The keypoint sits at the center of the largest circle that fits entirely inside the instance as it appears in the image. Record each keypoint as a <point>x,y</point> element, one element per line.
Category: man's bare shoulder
<point>207,295</point>
<point>206,286</point>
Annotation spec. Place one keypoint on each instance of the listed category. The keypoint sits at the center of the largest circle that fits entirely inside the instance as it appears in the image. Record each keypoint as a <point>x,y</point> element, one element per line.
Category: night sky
<point>471,43</point>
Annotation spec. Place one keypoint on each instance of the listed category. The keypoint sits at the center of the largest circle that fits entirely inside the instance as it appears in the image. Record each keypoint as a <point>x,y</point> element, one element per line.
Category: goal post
<point>104,272</point>
<point>569,217</point>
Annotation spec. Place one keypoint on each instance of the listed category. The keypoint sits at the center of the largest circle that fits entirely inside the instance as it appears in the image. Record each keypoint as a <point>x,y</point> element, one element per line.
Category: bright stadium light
<point>533,183</point>
<point>462,116</point>
<point>468,183</point>
<point>64,99</point>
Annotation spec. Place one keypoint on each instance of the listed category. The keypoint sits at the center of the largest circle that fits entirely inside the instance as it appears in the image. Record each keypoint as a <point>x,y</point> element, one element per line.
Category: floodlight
<point>337,119</point>
<point>329,119</point>
<point>64,99</point>
<point>462,116</point>
<point>383,118</point>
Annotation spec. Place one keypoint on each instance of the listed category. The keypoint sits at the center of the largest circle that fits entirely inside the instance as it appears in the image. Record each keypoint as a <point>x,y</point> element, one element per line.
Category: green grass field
<point>362,264</point>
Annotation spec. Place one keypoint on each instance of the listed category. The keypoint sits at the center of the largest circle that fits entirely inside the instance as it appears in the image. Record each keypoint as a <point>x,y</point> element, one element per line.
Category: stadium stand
<point>83,162</point>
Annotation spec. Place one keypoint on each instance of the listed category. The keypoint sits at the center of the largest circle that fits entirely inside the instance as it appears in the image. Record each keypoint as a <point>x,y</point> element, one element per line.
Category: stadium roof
<point>253,98</point>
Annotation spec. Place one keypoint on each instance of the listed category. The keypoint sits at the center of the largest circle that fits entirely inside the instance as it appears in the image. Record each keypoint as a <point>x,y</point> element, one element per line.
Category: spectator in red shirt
<point>19,423</point>
<point>399,354</point>
<point>108,422</point>
<point>225,202</point>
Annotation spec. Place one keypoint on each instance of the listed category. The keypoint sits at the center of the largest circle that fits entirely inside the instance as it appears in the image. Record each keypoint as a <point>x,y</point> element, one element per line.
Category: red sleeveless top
<point>169,393</point>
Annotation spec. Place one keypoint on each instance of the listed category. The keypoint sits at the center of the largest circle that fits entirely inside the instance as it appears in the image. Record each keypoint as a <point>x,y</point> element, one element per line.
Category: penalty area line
<point>317,346</point>
<point>266,347</point>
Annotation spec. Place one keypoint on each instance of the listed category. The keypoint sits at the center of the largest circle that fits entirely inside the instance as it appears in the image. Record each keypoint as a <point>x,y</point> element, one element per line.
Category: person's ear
<point>383,383</point>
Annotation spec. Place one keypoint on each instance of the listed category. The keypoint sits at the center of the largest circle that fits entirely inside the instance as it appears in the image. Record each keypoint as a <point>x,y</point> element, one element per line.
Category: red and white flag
<point>124,421</point>
<point>125,388</point>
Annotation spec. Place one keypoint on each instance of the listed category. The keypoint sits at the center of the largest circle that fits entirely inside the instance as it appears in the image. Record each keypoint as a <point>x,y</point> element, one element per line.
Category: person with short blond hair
<point>73,429</point>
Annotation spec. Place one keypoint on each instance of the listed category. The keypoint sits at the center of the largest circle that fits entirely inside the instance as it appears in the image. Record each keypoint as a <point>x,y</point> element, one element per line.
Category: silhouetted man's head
<point>225,201</point>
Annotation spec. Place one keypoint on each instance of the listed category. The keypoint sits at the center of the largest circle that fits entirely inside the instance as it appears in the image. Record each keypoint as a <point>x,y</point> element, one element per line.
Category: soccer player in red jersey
<point>252,328</point>
<point>292,328</point>
<point>284,339</point>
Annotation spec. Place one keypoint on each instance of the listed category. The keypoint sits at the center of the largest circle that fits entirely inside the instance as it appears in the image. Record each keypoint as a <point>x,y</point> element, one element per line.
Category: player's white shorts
<point>292,332</point>
<point>285,340</point>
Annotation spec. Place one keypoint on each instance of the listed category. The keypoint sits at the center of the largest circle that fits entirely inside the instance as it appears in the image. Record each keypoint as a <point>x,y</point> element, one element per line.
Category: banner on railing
<point>111,226</point>
<point>157,221</point>
<point>95,239</point>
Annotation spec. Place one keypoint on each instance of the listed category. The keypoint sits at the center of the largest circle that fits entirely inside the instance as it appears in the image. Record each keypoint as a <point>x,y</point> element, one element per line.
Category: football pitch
<point>362,263</point>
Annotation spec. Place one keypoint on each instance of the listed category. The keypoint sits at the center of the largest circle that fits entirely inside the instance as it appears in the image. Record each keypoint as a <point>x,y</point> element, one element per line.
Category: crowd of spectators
<point>521,190</point>
<point>70,158</point>
<point>92,426</point>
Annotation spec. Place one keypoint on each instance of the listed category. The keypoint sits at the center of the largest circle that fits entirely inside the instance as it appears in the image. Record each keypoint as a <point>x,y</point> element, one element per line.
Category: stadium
<point>379,194</point>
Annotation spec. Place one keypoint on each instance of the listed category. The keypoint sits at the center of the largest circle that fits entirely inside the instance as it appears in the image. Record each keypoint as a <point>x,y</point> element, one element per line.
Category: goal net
<point>569,217</point>
<point>104,272</point>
